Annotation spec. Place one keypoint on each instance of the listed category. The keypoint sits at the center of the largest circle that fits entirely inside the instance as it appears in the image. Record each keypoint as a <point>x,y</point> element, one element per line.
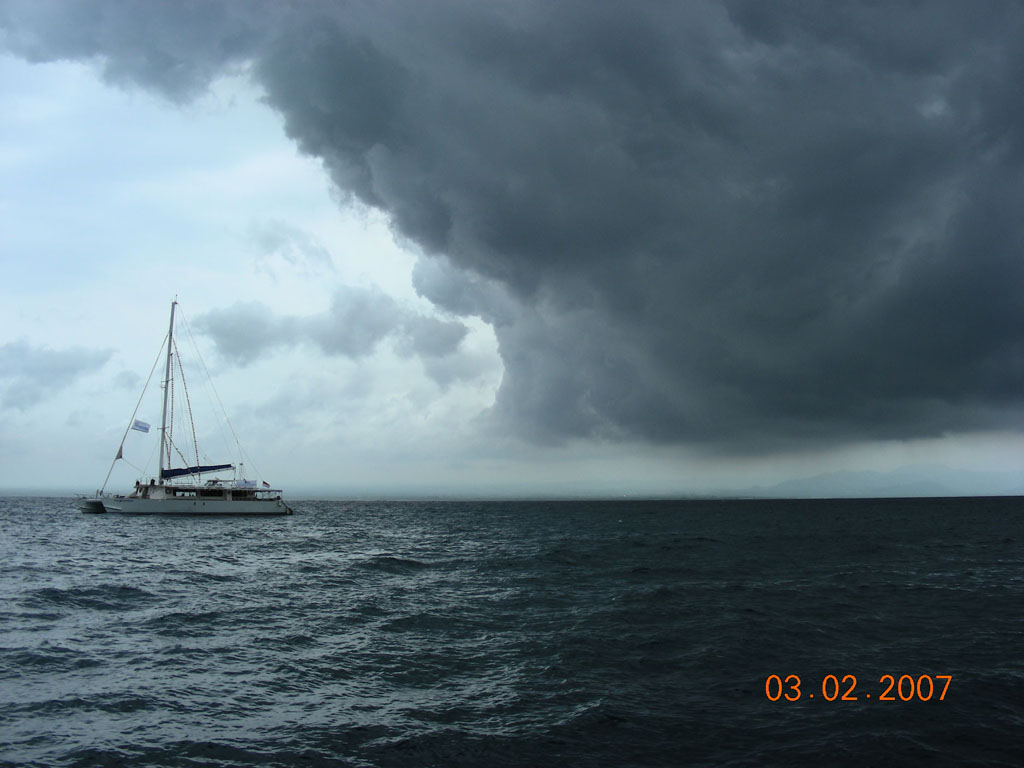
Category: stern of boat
<point>91,506</point>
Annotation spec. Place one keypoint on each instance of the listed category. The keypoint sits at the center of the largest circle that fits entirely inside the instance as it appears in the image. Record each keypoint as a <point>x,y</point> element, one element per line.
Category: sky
<point>519,248</point>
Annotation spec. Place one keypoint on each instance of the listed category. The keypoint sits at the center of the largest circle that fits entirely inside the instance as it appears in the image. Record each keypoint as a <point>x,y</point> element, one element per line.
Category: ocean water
<point>581,633</point>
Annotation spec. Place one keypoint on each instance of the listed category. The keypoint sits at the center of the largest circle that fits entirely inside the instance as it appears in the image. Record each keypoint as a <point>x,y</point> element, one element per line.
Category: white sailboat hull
<point>192,506</point>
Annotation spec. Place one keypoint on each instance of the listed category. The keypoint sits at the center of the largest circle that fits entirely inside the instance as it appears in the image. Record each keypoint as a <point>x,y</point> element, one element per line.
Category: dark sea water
<point>514,634</point>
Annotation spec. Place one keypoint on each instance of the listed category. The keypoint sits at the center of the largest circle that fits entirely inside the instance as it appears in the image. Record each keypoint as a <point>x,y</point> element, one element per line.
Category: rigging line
<point>170,437</point>
<point>149,460</point>
<point>170,440</point>
<point>137,469</point>
<point>184,461</point>
<point>134,413</point>
<point>209,378</point>
<point>188,402</point>
<point>210,402</point>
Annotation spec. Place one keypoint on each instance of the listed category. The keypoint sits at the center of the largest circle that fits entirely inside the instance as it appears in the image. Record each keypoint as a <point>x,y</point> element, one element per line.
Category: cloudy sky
<point>517,248</point>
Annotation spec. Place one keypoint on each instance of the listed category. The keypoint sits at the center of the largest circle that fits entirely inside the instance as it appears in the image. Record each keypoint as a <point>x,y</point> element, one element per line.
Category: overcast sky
<point>517,248</point>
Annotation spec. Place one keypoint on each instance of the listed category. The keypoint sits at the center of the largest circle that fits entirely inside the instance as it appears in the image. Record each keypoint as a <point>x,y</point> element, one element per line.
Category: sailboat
<point>182,490</point>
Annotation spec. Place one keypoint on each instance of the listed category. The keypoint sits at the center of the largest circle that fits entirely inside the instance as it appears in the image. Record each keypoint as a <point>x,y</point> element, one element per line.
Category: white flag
<point>140,425</point>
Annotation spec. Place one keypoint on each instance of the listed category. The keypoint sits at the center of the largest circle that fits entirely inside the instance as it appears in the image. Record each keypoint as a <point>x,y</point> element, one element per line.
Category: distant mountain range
<point>922,480</point>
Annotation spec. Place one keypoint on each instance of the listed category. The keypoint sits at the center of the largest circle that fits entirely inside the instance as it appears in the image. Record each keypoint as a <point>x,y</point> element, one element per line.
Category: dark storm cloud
<point>29,374</point>
<point>174,48</point>
<point>736,223</point>
<point>356,322</point>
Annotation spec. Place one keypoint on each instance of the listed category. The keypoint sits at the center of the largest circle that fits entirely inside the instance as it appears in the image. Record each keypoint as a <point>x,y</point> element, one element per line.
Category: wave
<point>101,597</point>
<point>391,564</point>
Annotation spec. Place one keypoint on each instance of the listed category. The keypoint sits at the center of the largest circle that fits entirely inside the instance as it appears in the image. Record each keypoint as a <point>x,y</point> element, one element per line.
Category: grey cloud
<point>356,322</point>
<point>30,375</point>
<point>173,48</point>
<point>243,331</point>
<point>736,223</point>
<point>447,369</point>
<point>431,337</point>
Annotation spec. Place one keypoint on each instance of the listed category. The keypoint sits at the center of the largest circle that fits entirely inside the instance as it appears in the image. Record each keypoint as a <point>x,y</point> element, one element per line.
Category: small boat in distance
<point>181,490</point>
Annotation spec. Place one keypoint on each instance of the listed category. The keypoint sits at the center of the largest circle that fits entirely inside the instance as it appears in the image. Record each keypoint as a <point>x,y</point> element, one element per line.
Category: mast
<point>167,386</point>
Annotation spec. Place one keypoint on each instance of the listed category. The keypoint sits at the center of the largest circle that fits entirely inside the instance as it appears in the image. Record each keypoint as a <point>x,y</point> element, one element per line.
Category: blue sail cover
<point>167,474</point>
